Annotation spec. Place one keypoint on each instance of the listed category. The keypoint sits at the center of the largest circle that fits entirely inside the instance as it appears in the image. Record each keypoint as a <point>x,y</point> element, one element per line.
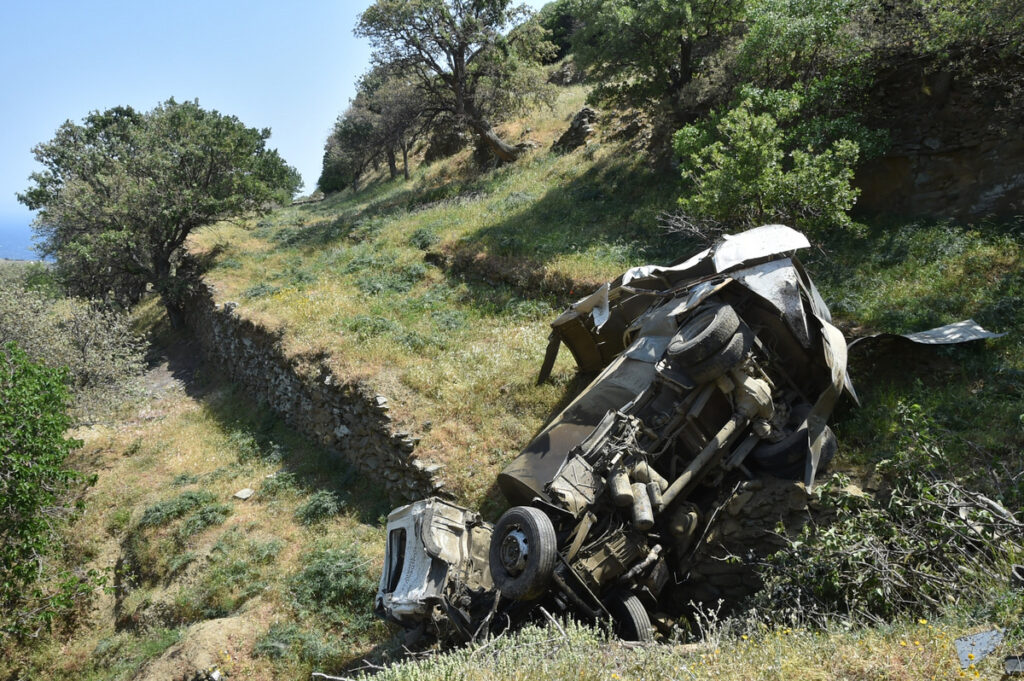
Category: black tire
<point>522,554</point>
<point>629,617</point>
<point>704,335</point>
<point>787,458</point>
<point>726,358</point>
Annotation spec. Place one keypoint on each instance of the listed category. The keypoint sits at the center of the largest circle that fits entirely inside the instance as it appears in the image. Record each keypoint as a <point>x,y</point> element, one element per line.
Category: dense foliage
<point>921,544</point>
<point>646,53</point>
<point>385,119</point>
<point>34,484</point>
<point>744,169</point>
<point>120,194</point>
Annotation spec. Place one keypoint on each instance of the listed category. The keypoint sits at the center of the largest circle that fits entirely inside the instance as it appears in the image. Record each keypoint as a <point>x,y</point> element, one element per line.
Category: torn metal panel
<point>959,332</point>
<point>973,649</point>
<point>760,242</point>
<point>778,283</point>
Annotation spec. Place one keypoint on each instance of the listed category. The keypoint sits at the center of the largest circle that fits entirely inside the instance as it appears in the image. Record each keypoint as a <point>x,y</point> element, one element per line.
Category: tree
<point>462,58</point>
<point>121,193</point>
<point>349,150</point>
<point>647,52</point>
<point>400,119</point>
<point>33,487</point>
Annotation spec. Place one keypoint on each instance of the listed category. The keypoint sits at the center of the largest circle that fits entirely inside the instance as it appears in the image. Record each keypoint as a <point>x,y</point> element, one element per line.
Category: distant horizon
<point>16,237</point>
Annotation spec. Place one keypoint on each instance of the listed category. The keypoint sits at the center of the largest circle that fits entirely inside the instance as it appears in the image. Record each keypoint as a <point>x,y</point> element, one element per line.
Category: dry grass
<point>919,651</point>
<point>175,443</point>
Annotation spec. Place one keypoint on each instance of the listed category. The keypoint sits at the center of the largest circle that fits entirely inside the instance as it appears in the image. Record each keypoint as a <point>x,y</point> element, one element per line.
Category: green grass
<point>913,276</point>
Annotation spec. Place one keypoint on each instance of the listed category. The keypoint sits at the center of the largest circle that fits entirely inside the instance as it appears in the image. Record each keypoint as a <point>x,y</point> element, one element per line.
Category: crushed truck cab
<point>435,567</point>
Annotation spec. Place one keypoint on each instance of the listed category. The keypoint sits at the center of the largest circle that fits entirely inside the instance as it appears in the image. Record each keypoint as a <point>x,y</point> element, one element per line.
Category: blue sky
<point>290,66</point>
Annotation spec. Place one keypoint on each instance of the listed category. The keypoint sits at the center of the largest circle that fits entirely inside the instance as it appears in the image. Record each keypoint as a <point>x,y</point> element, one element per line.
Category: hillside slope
<point>437,293</point>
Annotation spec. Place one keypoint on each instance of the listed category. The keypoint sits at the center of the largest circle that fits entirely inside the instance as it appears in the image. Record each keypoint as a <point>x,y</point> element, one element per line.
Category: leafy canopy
<point>745,168</point>
<point>645,52</point>
<point>119,195</point>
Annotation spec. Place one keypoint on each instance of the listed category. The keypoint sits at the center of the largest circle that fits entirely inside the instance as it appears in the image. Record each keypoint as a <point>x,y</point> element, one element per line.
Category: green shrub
<point>921,544</point>
<point>260,290</point>
<point>744,170</point>
<point>335,584</point>
<point>281,483</point>
<point>33,488</point>
<point>321,505</point>
<point>165,511</point>
<point>423,238</point>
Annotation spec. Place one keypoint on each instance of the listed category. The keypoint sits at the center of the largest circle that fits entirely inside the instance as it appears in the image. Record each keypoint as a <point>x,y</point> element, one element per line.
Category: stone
<point>244,493</point>
<point>580,129</point>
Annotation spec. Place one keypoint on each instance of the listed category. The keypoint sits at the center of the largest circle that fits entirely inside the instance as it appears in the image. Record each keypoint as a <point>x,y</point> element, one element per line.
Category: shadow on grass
<point>611,209</point>
<point>258,433</point>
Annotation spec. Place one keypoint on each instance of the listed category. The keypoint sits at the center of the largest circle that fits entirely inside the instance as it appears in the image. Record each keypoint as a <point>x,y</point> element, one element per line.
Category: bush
<point>33,490</point>
<point>335,584</point>
<point>921,544</point>
<point>96,343</point>
<point>320,506</point>
<point>743,170</point>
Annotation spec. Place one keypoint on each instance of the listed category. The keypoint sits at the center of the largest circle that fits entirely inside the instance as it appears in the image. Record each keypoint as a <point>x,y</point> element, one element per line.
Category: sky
<point>289,66</point>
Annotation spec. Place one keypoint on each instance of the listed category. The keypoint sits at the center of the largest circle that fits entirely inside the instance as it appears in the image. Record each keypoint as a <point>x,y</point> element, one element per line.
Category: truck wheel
<point>786,458</point>
<point>723,360</point>
<point>632,623</point>
<point>704,335</point>
<point>522,553</point>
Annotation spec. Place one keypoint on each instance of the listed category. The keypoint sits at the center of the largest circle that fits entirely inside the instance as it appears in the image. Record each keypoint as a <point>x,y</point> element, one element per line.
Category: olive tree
<point>120,193</point>
<point>475,60</point>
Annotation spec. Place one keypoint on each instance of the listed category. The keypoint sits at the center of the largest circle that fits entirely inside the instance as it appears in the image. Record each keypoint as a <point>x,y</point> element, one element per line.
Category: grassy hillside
<point>438,293</point>
<point>457,345</point>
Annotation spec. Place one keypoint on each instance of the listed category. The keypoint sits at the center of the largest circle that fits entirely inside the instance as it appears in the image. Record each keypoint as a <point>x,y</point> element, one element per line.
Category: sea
<point>16,238</point>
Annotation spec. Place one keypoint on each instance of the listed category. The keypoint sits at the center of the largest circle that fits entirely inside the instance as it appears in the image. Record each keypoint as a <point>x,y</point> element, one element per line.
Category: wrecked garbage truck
<point>715,377</point>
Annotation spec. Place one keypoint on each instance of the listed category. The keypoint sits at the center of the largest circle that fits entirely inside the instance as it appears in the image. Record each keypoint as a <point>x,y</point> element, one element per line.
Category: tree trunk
<point>405,160</point>
<point>176,315</point>
<point>502,149</point>
<point>392,164</point>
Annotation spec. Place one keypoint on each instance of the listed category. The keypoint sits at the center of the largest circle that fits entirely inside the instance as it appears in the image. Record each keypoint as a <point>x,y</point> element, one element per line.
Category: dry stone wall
<point>342,415</point>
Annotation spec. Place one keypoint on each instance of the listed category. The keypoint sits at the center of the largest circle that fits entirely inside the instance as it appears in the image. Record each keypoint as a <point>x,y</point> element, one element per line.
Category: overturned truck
<point>715,380</point>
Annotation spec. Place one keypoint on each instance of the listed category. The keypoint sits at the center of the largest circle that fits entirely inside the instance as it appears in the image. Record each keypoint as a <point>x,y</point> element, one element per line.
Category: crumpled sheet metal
<point>760,242</point>
<point>973,649</point>
<point>958,332</point>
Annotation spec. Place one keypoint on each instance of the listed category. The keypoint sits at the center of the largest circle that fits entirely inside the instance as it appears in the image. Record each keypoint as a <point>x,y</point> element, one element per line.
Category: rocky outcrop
<point>345,416</point>
<point>580,130</point>
<point>957,143</point>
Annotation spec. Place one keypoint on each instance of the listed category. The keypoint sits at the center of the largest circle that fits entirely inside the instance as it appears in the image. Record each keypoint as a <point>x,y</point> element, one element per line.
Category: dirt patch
<point>220,644</point>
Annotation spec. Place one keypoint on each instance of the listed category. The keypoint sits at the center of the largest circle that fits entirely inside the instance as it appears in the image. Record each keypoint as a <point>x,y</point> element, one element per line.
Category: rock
<point>567,73</point>
<point>580,129</point>
<point>245,493</point>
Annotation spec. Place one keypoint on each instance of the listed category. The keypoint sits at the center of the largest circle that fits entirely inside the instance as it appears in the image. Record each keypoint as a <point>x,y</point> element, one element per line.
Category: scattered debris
<point>973,649</point>
<point>705,427</point>
<point>244,494</point>
<point>1014,665</point>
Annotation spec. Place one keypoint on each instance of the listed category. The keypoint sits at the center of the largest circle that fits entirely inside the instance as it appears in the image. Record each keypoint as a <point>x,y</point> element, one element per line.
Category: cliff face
<point>344,416</point>
<point>957,142</point>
